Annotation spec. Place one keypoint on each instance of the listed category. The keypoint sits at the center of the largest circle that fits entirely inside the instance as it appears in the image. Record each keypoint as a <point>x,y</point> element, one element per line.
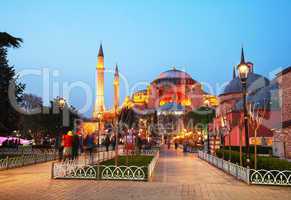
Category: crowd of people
<point>11,143</point>
<point>73,143</point>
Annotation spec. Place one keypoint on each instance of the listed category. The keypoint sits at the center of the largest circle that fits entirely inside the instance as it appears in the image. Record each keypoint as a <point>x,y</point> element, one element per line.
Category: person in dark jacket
<point>107,142</point>
<point>75,146</point>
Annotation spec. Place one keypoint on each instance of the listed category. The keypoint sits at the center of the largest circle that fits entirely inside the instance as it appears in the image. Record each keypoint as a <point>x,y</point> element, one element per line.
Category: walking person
<point>68,143</point>
<point>176,144</point>
<point>59,145</point>
<point>113,142</point>
<point>138,144</point>
<point>75,146</point>
<point>107,142</point>
<point>169,143</point>
<point>89,143</point>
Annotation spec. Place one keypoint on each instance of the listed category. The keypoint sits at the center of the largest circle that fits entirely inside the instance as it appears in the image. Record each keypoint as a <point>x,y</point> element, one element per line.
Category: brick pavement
<point>177,176</point>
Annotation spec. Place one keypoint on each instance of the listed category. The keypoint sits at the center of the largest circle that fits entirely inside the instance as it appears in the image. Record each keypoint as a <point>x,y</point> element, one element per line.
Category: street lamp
<point>99,117</point>
<point>243,70</point>
<point>61,103</point>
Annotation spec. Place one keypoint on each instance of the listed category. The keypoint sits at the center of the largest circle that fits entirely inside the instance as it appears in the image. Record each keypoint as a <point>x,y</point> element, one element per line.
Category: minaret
<point>233,73</point>
<point>116,88</point>
<point>242,57</point>
<point>99,104</point>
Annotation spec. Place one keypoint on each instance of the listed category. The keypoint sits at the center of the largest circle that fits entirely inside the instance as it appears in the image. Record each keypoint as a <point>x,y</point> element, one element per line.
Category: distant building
<point>272,96</point>
<point>282,134</point>
<point>172,94</point>
<point>229,113</point>
<point>173,87</point>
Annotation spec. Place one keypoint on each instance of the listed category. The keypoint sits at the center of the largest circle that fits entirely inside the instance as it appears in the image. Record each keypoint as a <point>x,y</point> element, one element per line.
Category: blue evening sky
<point>145,38</point>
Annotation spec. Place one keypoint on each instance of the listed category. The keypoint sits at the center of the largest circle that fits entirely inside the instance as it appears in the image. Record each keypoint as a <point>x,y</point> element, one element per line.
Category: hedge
<point>260,149</point>
<point>268,163</point>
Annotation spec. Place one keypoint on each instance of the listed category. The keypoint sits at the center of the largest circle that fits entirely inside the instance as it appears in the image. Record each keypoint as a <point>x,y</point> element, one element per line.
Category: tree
<point>9,87</point>
<point>227,124</point>
<point>257,113</point>
<point>37,125</point>
<point>31,102</point>
<point>127,120</point>
<point>202,115</point>
<point>7,40</point>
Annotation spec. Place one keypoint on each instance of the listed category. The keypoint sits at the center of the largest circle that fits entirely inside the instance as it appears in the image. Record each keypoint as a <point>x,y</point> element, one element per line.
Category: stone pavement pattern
<point>177,176</point>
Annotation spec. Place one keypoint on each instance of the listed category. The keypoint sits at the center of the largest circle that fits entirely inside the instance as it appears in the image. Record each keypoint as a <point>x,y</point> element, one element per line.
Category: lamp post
<point>243,70</point>
<point>61,103</point>
<point>116,130</point>
<point>99,116</point>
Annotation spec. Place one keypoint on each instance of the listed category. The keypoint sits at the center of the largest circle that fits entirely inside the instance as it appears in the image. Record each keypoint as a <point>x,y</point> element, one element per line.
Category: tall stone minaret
<point>99,104</point>
<point>116,89</point>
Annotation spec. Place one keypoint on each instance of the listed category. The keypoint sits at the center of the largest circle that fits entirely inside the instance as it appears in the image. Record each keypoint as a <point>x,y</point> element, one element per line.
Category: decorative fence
<point>237,171</point>
<point>272,177</point>
<point>152,165</point>
<point>26,159</point>
<point>112,172</point>
<point>82,169</point>
<point>250,176</point>
<point>140,173</point>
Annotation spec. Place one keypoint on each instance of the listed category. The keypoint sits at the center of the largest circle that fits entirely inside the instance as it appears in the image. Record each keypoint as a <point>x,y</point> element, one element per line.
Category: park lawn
<point>133,160</point>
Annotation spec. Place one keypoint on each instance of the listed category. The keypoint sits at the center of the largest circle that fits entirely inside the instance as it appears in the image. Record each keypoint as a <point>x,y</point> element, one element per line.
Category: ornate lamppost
<point>243,70</point>
<point>99,117</point>
<point>61,103</point>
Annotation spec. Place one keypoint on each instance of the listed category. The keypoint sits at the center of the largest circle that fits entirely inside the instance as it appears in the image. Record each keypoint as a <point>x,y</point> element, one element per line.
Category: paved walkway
<point>177,176</point>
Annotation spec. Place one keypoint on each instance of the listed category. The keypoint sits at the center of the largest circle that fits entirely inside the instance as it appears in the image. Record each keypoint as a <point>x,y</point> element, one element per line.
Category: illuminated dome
<point>174,75</point>
<point>254,83</point>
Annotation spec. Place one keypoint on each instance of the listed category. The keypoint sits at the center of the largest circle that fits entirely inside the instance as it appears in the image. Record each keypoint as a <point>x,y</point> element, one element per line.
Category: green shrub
<point>260,149</point>
<point>268,163</point>
<point>136,160</point>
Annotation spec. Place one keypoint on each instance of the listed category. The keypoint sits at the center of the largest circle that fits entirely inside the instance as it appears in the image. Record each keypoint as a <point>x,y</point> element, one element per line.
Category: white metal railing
<point>23,150</point>
<point>84,168</point>
<point>250,176</point>
<point>270,177</point>
<point>71,170</point>
<point>87,159</point>
<point>113,172</point>
<point>153,163</point>
<point>26,159</point>
<point>235,170</point>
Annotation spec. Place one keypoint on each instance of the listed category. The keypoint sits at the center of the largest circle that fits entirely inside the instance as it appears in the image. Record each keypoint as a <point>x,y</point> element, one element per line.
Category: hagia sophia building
<point>174,92</point>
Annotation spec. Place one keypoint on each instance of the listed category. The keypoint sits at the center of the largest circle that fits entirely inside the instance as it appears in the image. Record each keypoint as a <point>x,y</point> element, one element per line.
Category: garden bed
<point>137,160</point>
<point>133,167</point>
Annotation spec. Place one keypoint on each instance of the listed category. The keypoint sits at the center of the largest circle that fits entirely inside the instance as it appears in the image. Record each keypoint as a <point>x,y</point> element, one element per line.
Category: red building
<point>262,98</point>
<point>282,130</point>
<point>175,86</point>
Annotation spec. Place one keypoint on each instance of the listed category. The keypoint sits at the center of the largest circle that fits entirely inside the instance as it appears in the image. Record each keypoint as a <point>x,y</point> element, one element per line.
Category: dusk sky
<point>145,38</point>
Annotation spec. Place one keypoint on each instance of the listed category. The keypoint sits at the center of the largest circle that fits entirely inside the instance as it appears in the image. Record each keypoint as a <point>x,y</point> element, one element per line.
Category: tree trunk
<point>126,149</point>
<point>229,143</point>
<point>255,149</point>
<point>240,147</point>
<point>214,145</point>
<point>116,144</point>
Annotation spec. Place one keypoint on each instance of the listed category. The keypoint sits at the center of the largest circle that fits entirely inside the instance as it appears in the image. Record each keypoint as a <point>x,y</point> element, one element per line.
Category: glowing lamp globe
<point>61,102</point>
<point>243,70</point>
